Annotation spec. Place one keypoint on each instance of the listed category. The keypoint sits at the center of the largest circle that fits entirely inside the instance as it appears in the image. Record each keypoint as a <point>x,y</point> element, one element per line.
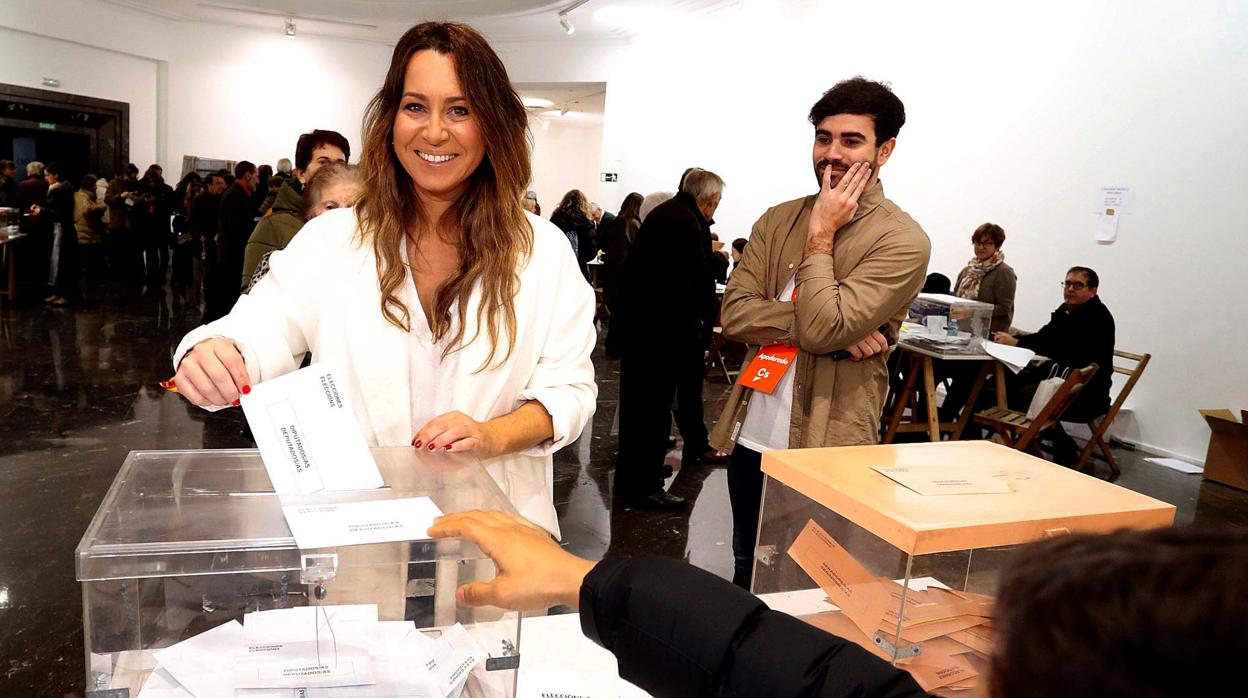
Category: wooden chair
<point>715,359</point>
<point>1023,434</point>
<point>1100,426</point>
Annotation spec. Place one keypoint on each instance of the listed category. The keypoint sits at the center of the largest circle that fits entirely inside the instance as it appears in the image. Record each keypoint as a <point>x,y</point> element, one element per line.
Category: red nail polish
<point>416,444</point>
<point>237,403</point>
<point>246,390</point>
<point>431,447</point>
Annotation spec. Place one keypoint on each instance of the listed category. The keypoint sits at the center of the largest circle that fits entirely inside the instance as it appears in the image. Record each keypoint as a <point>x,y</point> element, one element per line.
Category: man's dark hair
<point>265,171</point>
<point>739,245</point>
<point>7,164</point>
<point>1094,281</point>
<point>859,95</point>
<point>131,170</point>
<point>211,176</point>
<point>314,139</point>
<point>54,168</point>
<point>937,283</point>
<point>1144,614</point>
<point>243,169</point>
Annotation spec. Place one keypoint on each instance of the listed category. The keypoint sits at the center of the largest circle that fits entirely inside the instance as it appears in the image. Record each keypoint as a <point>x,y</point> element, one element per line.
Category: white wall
<point>1016,114</point>
<point>566,156</point>
<point>88,71</point>
<point>230,93</point>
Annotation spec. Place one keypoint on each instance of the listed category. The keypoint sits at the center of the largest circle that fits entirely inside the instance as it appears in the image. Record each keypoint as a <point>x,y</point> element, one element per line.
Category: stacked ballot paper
<point>311,443</point>
<point>952,628</point>
<point>316,652</point>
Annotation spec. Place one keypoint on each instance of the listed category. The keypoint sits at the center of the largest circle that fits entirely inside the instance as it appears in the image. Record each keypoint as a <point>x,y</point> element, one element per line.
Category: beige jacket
<point>876,269</point>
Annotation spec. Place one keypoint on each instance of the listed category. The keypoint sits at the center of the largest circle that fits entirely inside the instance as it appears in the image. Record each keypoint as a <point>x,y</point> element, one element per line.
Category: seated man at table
<point>1080,332</point>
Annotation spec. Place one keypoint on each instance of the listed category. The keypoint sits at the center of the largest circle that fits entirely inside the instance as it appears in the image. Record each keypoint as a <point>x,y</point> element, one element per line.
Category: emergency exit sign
<point>610,177</point>
<point>47,126</point>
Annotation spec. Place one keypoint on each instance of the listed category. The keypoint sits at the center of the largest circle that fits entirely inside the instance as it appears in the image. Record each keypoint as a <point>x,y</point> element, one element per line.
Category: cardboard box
<point>1227,459</point>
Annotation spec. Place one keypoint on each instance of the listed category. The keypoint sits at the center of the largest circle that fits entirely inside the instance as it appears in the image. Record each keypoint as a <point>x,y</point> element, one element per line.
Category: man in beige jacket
<point>821,274</point>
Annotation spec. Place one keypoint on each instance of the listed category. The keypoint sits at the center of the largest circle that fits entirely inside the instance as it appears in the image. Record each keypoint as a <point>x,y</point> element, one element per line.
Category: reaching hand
<point>213,374</point>
<point>1003,338</point>
<point>835,206</point>
<point>534,573</point>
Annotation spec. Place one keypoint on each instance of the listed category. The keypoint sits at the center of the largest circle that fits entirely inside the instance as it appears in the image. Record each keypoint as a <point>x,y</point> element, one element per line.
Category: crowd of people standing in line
<point>208,236</point>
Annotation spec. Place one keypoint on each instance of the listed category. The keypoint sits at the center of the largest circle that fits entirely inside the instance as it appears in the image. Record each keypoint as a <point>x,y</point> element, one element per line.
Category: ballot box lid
<point>176,513</point>
<point>1044,498</point>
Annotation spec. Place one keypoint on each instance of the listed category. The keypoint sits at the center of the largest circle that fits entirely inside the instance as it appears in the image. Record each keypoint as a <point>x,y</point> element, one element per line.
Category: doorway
<point>85,135</point>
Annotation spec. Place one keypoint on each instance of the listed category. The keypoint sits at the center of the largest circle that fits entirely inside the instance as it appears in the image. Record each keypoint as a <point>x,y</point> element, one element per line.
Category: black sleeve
<point>677,630</point>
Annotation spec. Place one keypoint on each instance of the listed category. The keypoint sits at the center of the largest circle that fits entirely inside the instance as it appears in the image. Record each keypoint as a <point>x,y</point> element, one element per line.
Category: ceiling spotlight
<point>566,23</point>
<point>536,102</point>
<point>290,28</point>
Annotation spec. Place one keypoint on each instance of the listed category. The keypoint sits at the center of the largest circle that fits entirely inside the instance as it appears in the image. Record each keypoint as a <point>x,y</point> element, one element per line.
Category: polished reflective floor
<point>78,391</point>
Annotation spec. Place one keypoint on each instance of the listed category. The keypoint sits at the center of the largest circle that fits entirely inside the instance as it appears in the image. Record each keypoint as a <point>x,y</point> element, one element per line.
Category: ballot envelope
<point>186,542</point>
<point>899,547</point>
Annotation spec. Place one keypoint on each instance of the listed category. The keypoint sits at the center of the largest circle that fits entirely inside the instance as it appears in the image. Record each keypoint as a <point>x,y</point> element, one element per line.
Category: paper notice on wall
<point>1107,226</point>
<point>1111,204</point>
<point>307,434</point>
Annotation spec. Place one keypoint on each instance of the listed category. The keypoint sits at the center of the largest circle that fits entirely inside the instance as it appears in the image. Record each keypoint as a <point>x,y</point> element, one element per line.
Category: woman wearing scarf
<point>987,278</point>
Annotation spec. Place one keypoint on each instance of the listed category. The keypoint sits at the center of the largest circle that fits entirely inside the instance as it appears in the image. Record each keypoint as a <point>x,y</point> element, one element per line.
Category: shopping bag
<point>1046,390</point>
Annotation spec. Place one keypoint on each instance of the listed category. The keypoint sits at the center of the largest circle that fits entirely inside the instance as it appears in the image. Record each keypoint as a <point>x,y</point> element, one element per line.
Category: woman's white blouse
<point>322,295</point>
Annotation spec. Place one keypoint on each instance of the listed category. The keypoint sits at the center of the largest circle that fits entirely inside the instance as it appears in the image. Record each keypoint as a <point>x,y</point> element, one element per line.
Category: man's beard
<point>841,165</point>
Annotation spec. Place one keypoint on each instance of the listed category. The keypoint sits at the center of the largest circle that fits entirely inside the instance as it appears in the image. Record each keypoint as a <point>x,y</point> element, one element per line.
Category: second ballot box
<point>899,547</point>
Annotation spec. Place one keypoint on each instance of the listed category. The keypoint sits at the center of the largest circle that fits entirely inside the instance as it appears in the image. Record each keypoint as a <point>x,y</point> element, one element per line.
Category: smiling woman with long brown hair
<point>460,322</point>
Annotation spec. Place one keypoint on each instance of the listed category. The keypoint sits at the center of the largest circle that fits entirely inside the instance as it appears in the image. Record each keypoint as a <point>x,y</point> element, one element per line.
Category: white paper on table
<point>197,663</point>
<point>359,523</point>
<point>307,434</point>
<point>300,623</point>
<point>399,655</point>
<point>299,664</point>
<point>1176,464</point>
<point>1014,358</point>
<point>452,657</point>
<point>160,684</point>
<point>932,480</point>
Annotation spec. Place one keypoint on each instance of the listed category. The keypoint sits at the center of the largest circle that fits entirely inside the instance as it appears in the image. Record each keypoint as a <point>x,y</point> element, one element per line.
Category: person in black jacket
<point>572,217</point>
<point>56,216</point>
<point>1135,613</point>
<point>1080,332</point>
<point>615,238</point>
<point>670,307</point>
<point>236,224</point>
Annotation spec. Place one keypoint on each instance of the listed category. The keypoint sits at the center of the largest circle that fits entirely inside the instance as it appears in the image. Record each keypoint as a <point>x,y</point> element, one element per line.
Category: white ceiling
<point>583,101</point>
<point>384,21</point>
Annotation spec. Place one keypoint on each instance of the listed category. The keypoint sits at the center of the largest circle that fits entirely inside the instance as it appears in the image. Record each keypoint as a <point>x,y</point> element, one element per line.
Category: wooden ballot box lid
<point>1045,499</point>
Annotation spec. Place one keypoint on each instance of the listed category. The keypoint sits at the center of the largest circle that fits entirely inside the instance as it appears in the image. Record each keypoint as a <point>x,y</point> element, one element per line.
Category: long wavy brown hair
<point>493,232</point>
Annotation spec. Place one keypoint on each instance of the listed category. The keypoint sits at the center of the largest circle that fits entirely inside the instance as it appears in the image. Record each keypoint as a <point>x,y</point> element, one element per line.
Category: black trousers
<point>651,377</point>
<point>745,492</point>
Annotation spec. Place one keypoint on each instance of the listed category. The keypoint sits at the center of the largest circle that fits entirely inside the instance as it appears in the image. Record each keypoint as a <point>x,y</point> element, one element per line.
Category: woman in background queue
<point>457,321</point>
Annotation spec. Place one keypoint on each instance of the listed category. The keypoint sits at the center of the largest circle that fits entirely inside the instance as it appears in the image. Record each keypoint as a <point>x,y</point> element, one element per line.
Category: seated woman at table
<point>458,321</point>
<point>1129,614</point>
<point>987,279</point>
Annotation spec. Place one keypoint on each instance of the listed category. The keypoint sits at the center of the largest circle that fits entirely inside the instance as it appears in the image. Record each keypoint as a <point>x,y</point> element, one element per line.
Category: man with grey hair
<point>669,299</point>
<point>33,191</point>
<point>652,202</point>
<point>285,167</point>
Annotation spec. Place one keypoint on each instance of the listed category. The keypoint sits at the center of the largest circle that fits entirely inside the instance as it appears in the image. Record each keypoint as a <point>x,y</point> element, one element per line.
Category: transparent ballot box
<point>934,316</point>
<point>845,545</point>
<point>186,542</point>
